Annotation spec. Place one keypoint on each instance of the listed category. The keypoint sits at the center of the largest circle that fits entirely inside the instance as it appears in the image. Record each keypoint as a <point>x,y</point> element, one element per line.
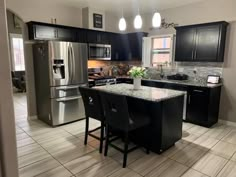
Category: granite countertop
<point>199,83</point>
<point>146,93</point>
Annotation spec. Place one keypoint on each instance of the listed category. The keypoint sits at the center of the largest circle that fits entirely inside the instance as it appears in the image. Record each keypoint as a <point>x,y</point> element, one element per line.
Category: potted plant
<point>137,73</point>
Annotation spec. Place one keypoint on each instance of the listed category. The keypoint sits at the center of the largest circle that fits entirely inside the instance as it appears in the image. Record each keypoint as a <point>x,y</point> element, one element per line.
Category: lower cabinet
<point>202,102</point>
<point>203,105</point>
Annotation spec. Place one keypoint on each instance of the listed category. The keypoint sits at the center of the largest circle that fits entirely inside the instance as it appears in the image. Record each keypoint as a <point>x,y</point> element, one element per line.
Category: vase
<point>137,83</point>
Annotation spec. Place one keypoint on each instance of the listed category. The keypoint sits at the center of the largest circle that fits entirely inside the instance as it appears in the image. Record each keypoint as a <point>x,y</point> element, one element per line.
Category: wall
<point>201,12</point>
<point>10,24</point>
<point>43,11</point>
<point>88,18</point>
<point>206,11</point>
<point>8,154</point>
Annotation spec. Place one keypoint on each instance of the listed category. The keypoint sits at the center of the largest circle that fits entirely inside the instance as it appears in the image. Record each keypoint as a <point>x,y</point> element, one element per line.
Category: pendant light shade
<point>138,22</point>
<point>122,24</point>
<point>156,20</point>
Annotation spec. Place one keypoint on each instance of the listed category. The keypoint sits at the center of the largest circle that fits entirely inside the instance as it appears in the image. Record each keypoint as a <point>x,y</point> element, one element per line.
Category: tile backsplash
<point>114,68</point>
<point>192,69</point>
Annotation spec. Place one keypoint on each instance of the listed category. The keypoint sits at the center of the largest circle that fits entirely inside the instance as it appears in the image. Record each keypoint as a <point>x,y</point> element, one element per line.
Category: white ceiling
<point>128,6</point>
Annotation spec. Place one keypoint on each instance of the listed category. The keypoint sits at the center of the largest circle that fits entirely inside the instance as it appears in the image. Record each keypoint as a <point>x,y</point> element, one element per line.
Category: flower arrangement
<point>137,72</point>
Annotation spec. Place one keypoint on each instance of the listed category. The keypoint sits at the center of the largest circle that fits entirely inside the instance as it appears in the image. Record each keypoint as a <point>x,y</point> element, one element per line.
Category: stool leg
<point>107,140</point>
<point>86,130</point>
<point>101,136</point>
<point>126,149</point>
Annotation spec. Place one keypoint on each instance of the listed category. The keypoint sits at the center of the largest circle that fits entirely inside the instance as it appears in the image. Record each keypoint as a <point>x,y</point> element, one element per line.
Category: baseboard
<point>32,117</point>
<point>225,122</point>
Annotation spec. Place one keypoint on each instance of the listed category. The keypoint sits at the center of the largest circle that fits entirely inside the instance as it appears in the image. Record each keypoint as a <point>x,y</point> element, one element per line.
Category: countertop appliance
<point>96,75</point>
<point>99,52</point>
<point>60,68</point>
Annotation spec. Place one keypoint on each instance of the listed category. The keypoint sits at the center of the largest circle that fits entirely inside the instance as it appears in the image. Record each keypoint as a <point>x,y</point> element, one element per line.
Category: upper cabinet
<point>129,46</point>
<point>201,43</point>
<point>98,37</point>
<point>125,47</point>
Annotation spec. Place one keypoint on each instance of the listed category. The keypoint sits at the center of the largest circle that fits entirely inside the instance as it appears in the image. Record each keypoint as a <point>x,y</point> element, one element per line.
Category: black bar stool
<point>93,109</point>
<point>118,118</point>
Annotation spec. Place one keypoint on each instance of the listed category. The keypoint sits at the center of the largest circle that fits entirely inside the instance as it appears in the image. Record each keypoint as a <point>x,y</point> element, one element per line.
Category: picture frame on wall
<point>97,21</point>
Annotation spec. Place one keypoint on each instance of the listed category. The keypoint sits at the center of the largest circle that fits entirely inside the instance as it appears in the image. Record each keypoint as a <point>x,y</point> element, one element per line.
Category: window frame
<point>11,36</point>
<point>171,50</point>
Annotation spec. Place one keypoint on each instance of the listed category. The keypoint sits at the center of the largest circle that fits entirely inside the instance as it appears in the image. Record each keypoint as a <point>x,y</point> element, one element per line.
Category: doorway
<point>17,61</point>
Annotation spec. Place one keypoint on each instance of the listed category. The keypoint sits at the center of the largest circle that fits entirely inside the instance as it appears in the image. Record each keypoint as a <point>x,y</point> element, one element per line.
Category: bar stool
<point>118,118</point>
<point>93,109</point>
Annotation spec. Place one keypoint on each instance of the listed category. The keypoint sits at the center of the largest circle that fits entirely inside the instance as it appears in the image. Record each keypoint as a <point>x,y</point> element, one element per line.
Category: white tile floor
<point>59,152</point>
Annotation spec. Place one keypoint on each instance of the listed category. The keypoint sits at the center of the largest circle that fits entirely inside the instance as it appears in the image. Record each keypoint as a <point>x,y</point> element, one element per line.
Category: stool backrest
<point>92,103</point>
<point>116,110</point>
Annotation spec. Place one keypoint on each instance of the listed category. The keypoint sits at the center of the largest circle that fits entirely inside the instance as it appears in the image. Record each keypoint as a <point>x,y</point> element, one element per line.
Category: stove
<point>97,76</point>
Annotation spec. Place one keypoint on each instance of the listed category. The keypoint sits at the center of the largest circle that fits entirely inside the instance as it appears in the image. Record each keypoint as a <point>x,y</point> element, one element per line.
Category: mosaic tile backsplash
<point>195,71</point>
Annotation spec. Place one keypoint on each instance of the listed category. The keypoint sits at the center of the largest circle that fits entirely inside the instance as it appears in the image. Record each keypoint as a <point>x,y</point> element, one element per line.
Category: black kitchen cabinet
<point>81,35</point>
<point>202,102</point>
<point>135,44</point>
<point>116,54</point>
<point>124,47</point>
<point>42,32</point>
<point>203,105</point>
<point>98,37</point>
<point>185,44</point>
<point>128,47</point>
<point>201,43</point>
<point>66,34</point>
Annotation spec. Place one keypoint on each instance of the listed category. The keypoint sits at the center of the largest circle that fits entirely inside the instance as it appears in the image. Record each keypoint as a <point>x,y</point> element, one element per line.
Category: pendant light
<point>156,20</point>
<point>122,23</point>
<point>138,22</point>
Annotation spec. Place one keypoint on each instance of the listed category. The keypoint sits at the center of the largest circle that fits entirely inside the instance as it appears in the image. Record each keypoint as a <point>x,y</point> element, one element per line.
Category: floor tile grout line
<point>51,156</point>
<point>222,168</point>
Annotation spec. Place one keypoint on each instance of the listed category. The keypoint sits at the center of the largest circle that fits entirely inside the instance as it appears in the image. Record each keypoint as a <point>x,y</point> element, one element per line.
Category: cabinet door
<point>66,34</point>
<point>197,107</point>
<point>81,35</point>
<point>185,44</point>
<point>124,49</point>
<point>207,43</point>
<point>45,32</point>
<point>92,36</point>
<point>115,47</point>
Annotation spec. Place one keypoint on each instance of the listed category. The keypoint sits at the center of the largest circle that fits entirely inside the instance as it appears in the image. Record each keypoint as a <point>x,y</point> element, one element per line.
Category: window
<point>17,52</point>
<point>161,51</point>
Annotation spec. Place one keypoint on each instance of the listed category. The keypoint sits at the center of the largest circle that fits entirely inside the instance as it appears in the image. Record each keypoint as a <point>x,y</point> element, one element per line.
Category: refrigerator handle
<point>73,62</point>
<point>70,63</point>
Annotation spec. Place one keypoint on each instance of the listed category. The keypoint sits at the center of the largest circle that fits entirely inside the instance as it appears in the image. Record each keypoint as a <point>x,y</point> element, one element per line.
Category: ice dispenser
<point>58,69</point>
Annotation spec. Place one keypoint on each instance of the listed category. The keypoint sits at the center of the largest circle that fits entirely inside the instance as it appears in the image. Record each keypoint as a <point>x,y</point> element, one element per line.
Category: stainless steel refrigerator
<point>60,68</point>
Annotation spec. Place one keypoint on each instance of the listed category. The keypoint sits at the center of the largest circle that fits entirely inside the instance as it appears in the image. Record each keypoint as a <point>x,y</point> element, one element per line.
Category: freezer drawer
<point>66,91</point>
<point>67,109</point>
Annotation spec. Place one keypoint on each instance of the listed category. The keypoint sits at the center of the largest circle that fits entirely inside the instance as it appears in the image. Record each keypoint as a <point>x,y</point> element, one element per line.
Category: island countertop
<point>146,93</point>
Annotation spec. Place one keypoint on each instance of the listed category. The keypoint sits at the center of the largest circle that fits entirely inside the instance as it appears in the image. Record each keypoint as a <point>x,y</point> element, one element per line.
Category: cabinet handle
<point>189,99</point>
<point>199,91</point>
<point>55,33</point>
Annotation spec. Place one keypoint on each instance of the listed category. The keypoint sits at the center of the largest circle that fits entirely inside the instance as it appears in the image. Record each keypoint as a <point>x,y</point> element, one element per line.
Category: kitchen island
<point>165,108</point>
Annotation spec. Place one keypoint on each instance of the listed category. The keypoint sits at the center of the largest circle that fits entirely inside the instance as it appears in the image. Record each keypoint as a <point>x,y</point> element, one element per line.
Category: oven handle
<point>68,99</point>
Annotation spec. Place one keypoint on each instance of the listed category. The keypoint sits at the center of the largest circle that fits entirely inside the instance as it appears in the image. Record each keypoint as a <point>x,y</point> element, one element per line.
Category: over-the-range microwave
<point>99,52</point>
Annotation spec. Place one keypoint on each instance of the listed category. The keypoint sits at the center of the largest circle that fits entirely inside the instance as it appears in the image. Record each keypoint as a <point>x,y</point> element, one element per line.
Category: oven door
<point>99,52</point>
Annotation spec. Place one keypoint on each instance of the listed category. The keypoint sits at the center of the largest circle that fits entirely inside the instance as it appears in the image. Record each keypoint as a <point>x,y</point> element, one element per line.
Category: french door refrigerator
<point>60,69</point>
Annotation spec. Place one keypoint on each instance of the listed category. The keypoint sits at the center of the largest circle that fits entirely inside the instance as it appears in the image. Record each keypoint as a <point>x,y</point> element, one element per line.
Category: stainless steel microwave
<point>99,52</point>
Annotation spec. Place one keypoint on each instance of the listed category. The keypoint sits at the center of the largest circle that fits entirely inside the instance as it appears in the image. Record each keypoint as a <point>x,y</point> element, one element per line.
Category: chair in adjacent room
<point>93,109</point>
<point>119,118</point>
